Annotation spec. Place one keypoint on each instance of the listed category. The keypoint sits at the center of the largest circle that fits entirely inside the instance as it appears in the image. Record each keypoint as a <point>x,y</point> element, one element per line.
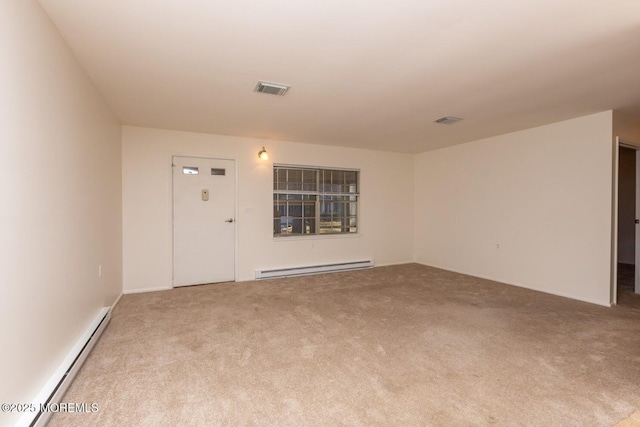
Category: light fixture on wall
<point>263,154</point>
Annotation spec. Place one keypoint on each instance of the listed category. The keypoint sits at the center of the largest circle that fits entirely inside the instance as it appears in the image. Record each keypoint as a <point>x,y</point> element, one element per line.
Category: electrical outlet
<point>497,245</point>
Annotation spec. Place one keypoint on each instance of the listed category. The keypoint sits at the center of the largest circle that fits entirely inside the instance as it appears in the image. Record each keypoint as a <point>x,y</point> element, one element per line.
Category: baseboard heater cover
<point>313,269</point>
<point>58,384</point>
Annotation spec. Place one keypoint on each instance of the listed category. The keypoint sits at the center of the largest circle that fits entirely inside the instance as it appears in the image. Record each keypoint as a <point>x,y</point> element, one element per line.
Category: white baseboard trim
<point>389,264</point>
<point>142,291</point>
<point>116,301</point>
<point>519,285</point>
<point>54,389</point>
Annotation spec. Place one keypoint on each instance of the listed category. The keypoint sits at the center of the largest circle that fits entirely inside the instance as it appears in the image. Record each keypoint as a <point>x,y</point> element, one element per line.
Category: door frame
<point>170,167</point>
<point>617,143</point>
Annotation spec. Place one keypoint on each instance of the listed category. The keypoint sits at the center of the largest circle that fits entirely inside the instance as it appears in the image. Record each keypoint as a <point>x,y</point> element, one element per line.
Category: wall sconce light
<point>263,154</point>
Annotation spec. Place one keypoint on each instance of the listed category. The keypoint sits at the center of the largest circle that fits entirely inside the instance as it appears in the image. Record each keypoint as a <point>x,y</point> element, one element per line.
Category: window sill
<point>317,237</point>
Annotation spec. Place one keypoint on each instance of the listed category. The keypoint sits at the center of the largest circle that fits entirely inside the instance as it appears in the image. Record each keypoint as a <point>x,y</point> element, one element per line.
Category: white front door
<point>203,221</point>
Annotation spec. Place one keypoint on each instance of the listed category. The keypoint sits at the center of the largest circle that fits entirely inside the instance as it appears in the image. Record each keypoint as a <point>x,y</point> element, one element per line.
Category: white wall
<point>627,127</point>
<point>61,200</point>
<point>543,195</point>
<point>386,204</point>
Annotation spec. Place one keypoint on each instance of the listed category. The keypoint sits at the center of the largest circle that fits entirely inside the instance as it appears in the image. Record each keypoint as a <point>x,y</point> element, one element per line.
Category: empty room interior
<point>320,213</point>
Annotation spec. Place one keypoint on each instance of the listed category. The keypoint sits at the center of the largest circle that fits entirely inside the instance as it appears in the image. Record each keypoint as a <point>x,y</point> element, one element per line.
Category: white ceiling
<point>364,73</point>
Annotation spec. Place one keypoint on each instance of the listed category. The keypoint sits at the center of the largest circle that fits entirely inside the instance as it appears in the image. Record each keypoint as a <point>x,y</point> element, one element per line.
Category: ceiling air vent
<point>272,88</point>
<point>447,120</point>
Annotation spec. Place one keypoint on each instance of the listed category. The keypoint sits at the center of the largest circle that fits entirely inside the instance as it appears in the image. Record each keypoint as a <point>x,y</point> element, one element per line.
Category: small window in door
<point>190,170</point>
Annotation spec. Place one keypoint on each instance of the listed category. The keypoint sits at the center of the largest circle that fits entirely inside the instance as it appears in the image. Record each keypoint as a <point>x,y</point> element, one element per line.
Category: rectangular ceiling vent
<point>447,120</point>
<point>272,88</point>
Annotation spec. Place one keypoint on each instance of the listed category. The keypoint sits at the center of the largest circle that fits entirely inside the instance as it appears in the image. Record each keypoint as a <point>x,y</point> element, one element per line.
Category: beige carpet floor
<point>392,346</point>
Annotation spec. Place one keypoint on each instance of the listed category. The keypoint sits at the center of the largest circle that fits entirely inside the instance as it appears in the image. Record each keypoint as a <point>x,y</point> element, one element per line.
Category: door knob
<point>228,220</point>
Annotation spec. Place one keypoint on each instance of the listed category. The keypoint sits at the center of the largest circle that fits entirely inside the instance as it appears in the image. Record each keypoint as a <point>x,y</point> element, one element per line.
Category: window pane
<point>353,225</point>
<point>297,225</point>
<point>190,170</point>
<point>350,177</point>
<point>310,177</point>
<point>325,180</point>
<point>309,210</point>
<point>328,225</point>
<point>286,225</point>
<point>339,181</point>
<point>311,225</point>
<point>280,179</point>
<point>295,209</point>
<point>294,175</point>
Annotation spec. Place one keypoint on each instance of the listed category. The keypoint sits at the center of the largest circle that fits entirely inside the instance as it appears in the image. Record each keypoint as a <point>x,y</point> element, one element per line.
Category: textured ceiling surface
<point>366,74</point>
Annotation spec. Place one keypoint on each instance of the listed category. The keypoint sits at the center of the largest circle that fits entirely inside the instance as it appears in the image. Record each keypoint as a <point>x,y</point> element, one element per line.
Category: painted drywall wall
<point>386,204</point>
<point>627,127</point>
<point>626,205</point>
<point>60,186</point>
<point>530,208</point>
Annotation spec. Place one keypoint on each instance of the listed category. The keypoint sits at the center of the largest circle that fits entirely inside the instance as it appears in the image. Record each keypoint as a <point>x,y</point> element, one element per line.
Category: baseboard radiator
<point>55,388</point>
<point>313,269</point>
